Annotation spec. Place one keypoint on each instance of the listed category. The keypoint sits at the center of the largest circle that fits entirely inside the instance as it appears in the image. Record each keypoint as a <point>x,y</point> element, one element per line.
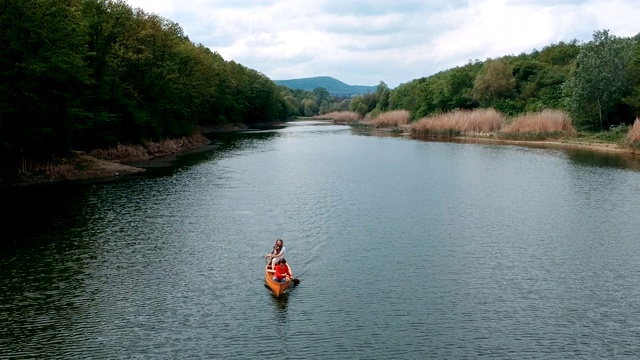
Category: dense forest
<point>85,74</point>
<point>81,74</point>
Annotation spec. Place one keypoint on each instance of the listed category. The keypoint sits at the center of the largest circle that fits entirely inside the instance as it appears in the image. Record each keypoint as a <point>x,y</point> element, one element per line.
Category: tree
<point>633,99</point>
<point>383,93</point>
<point>600,80</point>
<point>494,81</point>
<point>322,96</point>
<point>310,107</point>
<point>41,63</point>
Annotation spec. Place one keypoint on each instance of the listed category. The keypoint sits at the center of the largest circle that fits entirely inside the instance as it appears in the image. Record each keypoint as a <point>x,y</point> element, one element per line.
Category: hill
<point>334,87</point>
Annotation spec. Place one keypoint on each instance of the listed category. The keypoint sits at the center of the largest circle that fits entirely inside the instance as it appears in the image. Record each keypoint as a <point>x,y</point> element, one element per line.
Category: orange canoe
<point>277,287</point>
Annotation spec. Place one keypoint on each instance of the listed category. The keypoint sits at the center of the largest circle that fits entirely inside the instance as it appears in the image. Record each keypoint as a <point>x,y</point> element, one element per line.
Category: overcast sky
<point>395,41</point>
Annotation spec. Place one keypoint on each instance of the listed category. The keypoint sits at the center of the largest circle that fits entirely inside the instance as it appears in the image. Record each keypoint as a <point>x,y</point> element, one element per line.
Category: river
<point>405,249</point>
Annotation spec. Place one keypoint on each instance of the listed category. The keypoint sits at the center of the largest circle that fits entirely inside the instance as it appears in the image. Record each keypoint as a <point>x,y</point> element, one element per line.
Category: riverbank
<point>113,163</point>
<point>571,143</point>
<point>100,166</point>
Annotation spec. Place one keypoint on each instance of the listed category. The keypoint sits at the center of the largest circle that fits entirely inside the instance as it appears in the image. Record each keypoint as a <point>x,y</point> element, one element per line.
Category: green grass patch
<point>442,133</point>
<point>532,136</point>
<point>361,125</point>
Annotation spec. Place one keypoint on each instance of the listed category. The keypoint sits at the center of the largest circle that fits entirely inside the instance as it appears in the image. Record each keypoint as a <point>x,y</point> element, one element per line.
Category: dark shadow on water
<point>281,302</point>
<point>221,144</point>
<point>608,160</point>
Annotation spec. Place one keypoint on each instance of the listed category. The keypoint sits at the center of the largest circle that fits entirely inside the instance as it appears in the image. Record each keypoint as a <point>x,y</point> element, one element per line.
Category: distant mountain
<point>334,87</point>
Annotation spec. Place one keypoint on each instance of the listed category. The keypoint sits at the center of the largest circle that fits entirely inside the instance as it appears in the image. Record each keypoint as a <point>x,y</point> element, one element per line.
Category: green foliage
<point>600,82</point>
<point>41,52</point>
<point>382,93</point>
<point>363,104</point>
<point>297,102</point>
<point>615,134</point>
<point>633,98</point>
<point>442,92</point>
<point>87,73</point>
<point>532,136</point>
<point>494,82</point>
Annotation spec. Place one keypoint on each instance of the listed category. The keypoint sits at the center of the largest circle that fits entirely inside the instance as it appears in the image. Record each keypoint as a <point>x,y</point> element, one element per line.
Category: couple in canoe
<point>278,263</point>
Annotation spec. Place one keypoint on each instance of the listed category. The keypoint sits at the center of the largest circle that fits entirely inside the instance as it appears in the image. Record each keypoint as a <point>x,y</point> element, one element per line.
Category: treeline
<point>597,83</point>
<point>82,74</point>
<point>309,103</point>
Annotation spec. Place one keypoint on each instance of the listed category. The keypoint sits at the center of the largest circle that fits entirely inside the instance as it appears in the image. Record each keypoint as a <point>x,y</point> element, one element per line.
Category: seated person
<point>277,253</point>
<point>282,271</point>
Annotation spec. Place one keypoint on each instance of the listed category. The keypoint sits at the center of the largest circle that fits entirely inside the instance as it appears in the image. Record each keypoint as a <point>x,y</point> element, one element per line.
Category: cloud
<point>362,43</point>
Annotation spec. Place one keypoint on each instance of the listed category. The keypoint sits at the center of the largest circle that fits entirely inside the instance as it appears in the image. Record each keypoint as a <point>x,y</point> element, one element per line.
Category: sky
<point>395,41</point>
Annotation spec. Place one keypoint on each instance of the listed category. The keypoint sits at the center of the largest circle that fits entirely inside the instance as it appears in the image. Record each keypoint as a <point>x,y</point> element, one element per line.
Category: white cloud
<point>362,43</point>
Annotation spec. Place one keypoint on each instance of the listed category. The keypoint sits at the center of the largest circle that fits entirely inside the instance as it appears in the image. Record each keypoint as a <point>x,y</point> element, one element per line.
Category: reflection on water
<point>281,302</point>
<point>604,159</point>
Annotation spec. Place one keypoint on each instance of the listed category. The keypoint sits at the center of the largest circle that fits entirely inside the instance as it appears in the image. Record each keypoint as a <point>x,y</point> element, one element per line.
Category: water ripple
<point>405,250</point>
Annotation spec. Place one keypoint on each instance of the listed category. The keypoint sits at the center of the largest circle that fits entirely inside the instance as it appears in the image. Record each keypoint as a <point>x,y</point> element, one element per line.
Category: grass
<point>547,124</point>
<point>479,122</point>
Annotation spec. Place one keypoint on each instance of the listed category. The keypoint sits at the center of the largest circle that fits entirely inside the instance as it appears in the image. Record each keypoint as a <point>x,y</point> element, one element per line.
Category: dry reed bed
<point>546,124</point>
<point>150,149</point>
<point>632,140</point>
<point>390,119</point>
<point>340,116</point>
<point>458,123</point>
<point>542,125</point>
<point>73,167</point>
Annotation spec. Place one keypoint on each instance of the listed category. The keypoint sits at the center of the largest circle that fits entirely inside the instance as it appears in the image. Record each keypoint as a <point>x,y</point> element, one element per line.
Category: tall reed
<point>121,151</point>
<point>459,122</point>
<point>633,136</point>
<point>392,119</point>
<point>150,149</point>
<point>340,116</point>
<point>547,124</point>
<point>60,171</point>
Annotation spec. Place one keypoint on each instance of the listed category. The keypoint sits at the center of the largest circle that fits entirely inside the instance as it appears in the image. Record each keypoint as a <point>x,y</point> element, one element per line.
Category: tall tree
<point>494,82</point>
<point>41,62</point>
<point>633,99</point>
<point>600,80</point>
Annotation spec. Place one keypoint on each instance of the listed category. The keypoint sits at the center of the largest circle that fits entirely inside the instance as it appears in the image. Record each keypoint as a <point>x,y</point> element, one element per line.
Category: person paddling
<point>282,271</point>
<point>277,253</point>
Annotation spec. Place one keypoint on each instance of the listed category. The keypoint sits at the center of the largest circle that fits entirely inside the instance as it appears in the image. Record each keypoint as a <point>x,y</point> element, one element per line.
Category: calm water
<point>406,249</point>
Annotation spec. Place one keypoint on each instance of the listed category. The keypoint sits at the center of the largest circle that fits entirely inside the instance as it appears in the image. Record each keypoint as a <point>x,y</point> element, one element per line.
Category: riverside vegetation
<point>546,125</point>
<point>82,75</point>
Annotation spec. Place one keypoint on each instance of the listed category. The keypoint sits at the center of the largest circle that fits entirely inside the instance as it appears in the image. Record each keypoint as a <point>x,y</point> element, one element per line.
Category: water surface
<point>405,248</point>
